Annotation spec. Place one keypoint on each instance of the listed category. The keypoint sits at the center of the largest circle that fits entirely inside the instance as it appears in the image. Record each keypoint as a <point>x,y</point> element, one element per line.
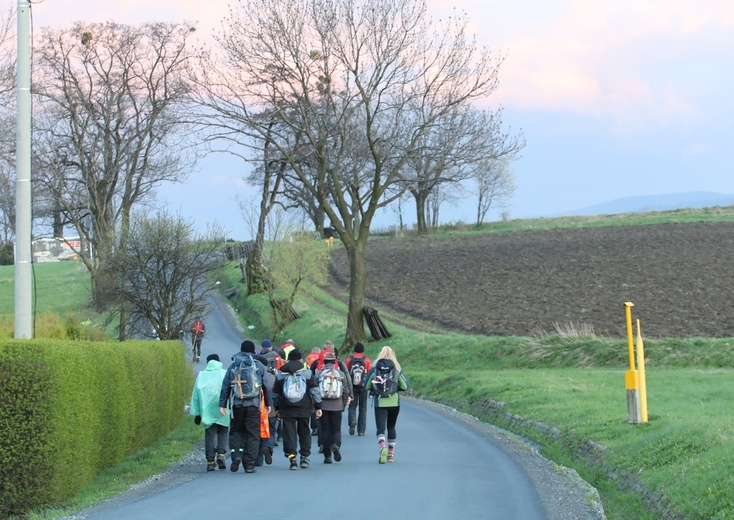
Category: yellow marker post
<point>641,370</point>
<point>631,377</point>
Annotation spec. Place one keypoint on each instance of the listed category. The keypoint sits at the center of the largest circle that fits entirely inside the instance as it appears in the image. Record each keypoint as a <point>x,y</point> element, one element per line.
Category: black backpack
<point>385,379</point>
<point>357,371</point>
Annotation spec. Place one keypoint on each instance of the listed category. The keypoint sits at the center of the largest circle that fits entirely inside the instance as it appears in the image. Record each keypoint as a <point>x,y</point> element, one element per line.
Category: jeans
<point>356,417</point>
<point>215,441</point>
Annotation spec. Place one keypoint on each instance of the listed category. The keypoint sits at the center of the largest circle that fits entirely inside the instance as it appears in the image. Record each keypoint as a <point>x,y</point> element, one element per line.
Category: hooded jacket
<point>226,389</point>
<point>310,400</point>
<point>205,396</point>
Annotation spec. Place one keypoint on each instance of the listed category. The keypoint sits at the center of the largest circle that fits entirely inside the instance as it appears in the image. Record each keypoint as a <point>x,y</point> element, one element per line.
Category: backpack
<point>356,371</point>
<point>294,386</point>
<point>246,382</point>
<point>198,327</point>
<point>385,380</point>
<point>271,364</point>
<point>330,382</point>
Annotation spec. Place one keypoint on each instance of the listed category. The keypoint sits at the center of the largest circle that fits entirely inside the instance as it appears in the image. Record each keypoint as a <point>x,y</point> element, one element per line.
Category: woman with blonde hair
<point>384,382</point>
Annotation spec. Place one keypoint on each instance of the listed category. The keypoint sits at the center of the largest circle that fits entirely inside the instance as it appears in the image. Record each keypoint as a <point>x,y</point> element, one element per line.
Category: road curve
<point>448,465</point>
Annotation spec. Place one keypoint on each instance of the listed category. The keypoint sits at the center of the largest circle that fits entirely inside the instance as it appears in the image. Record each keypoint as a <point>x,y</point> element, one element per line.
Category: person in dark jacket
<point>295,415</point>
<point>244,430</point>
<point>332,409</point>
<point>357,416</point>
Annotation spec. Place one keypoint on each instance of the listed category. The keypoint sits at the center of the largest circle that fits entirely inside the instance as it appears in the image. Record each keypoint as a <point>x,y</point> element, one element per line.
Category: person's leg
<point>336,434</point>
<point>209,450</point>
<point>381,423</point>
<point>352,413</point>
<point>251,436</point>
<point>392,435</point>
<point>304,438</point>
<point>222,444</point>
<point>361,398</point>
<point>236,437</point>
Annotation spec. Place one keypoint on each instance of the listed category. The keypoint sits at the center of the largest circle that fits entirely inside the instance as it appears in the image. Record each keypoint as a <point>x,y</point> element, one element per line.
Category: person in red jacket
<point>358,366</point>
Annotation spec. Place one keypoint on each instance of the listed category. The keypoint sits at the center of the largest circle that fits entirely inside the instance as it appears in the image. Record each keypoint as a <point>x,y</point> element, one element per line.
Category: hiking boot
<point>235,465</point>
<point>250,469</point>
<point>210,465</point>
<point>327,459</point>
<point>268,454</point>
<point>292,459</point>
<point>304,462</point>
<point>383,455</point>
<point>351,429</point>
<point>361,434</point>
<point>314,432</point>
<point>336,452</point>
<point>220,461</point>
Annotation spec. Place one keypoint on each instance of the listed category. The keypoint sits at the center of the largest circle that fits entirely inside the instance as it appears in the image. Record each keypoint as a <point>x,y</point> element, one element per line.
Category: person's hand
<point>267,410</point>
<point>318,414</point>
<point>197,420</point>
<point>349,400</point>
<point>223,411</point>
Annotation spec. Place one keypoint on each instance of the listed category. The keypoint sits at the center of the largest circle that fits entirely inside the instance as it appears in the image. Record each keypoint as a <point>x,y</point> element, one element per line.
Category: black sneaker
<point>268,454</point>
<point>210,465</point>
<point>235,465</point>
<point>314,432</point>
<point>351,429</point>
<point>336,452</point>
<point>220,461</point>
<point>294,464</point>
<point>304,462</point>
<point>250,469</point>
<point>327,460</point>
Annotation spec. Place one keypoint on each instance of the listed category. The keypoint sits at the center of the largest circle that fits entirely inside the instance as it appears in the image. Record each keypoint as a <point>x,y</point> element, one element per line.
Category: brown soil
<point>679,277</point>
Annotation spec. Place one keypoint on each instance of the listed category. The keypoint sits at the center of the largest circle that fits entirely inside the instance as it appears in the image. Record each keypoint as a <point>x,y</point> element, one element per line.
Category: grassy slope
<point>679,465</point>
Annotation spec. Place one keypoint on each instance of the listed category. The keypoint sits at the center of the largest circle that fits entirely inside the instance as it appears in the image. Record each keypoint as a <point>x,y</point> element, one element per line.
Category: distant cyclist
<point>197,332</point>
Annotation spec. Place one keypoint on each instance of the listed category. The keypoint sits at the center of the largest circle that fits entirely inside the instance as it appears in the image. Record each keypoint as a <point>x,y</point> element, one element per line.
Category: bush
<point>7,254</point>
<point>72,408</point>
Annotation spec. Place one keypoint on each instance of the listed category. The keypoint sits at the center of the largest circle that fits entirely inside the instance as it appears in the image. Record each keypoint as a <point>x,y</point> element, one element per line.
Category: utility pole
<point>23,254</point>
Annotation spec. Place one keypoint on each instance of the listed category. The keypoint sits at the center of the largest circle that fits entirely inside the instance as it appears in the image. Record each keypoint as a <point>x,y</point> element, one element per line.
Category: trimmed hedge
<point>71,408</point>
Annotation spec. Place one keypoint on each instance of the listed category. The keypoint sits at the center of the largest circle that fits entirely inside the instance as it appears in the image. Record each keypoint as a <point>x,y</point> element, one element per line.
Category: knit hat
<point>211,357</point>
<point>266,344</point>
<point>329,357</point>
<point>358,348</point>
<point>247,346</point>
<point>295,355</point>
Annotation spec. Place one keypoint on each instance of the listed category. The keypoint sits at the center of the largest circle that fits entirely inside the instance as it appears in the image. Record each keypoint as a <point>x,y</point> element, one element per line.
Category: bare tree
<point>111,98</point>
<point>7,127</point>
<point>495,185</point>
<point>166,270</point>
<point>449,151</point>
<point>355,85</point>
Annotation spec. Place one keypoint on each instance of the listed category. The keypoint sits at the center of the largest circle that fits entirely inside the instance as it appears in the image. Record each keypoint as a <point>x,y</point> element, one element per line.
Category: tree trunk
<point>420,208</point>
<point>357,286</point>
<point>255,272</point>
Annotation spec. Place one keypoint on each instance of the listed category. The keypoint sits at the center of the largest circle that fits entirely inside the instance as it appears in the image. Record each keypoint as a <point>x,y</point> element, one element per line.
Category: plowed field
<point>679,276</point>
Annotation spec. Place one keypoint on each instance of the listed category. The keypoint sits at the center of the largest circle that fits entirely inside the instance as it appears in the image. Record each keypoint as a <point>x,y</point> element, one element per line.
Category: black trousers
<point>244,434</point>
<point>215,441</point>
<point>331,429</point>
<point>296,431</point>
<point>357,415</point>
<point>386,418</point>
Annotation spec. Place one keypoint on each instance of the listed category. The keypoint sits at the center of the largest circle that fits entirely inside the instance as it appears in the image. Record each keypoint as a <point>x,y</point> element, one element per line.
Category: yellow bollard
<point>631,377</point>
<point>641,370</point>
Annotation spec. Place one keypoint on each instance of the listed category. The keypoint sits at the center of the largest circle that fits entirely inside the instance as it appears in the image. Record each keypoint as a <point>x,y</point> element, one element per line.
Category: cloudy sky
<point>615,99</point>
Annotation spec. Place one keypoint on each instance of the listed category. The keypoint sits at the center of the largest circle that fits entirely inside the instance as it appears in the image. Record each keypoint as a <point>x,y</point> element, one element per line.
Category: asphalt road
<point>448,465</point>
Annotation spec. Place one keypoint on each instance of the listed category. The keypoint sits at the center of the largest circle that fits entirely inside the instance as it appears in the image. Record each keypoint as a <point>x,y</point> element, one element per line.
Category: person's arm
<point>403,382</point>
<point>225,391</point>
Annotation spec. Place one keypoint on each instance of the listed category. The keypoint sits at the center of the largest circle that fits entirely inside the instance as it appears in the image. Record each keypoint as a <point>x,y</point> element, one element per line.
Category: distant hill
<point>645,203</point>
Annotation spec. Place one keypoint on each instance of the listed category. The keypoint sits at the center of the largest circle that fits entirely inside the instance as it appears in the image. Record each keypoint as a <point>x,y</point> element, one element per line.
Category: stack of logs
<point>375,324</point>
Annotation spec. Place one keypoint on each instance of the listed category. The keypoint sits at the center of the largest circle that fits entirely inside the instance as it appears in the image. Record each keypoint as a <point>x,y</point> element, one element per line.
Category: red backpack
<point>198,327</point>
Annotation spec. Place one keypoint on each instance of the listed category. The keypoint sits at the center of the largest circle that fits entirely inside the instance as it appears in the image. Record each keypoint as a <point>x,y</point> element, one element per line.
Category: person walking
<point>329,350</point>
<point>358,366</point>
<point>385,381</point>
<point>205,409</point>
<point>243,388</point>
<point>296,394</point>
<point>334,391</point>
<point>198,329</point>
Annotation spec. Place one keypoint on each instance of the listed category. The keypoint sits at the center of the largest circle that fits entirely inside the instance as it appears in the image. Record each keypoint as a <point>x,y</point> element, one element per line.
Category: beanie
<point>214,357</point>
<point>294,355</point>
<point>248,346</point>
<point>266,343</point>
<point>329,357</point>
<point>359,348</point>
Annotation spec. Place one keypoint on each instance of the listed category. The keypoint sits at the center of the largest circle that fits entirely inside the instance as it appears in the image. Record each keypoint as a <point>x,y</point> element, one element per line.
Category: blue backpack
<point>294,386</point>
<point>246,382</point>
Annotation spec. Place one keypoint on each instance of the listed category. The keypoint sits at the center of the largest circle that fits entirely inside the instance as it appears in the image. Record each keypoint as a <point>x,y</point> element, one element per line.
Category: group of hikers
<point>266,397</point>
